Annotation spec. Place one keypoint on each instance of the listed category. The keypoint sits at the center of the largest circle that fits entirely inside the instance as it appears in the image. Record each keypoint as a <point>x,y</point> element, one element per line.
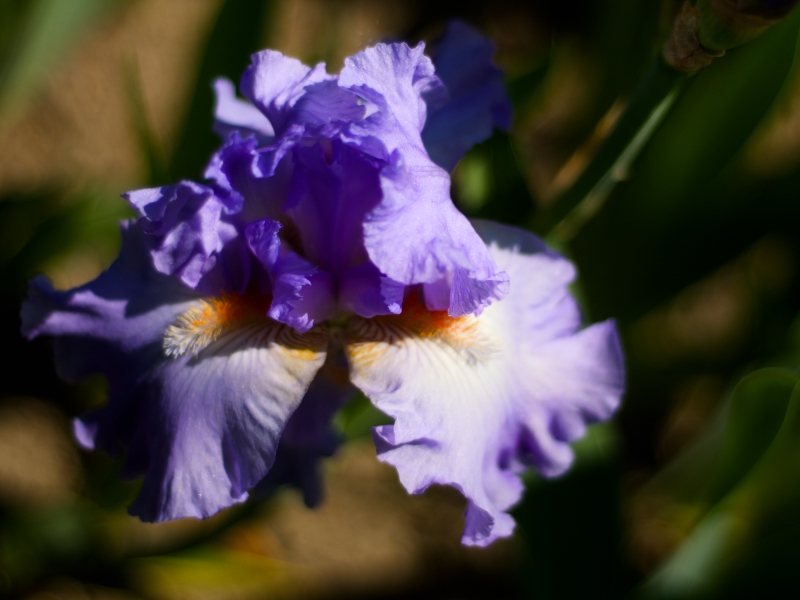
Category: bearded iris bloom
<point>324,252</point>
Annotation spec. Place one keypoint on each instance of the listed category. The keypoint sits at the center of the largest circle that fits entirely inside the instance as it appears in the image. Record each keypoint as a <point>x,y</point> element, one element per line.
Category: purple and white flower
<point>324,231</point>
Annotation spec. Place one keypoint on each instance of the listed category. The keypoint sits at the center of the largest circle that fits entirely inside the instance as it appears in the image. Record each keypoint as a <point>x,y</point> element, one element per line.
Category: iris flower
<point>324,252</point>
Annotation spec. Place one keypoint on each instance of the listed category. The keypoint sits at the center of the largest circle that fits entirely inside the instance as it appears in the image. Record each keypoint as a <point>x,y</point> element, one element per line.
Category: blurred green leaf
<point>358,418</point>
<point>237,34</point>
<point>213,572</point>
<point>49,30</point>
<point>717,558</point>
<point>601,444</point>
<point>149,144</point>
<point>756,411</point>
<point>695,569</point>
<point>685,210</point>
<point>624,36</point>
<point>685,479</point>
<point>42,227</point>
<point>489,183</point>
<point>42,538</point>
<point>711,123</point>
<point>773,484</point>
<point>723,454</point>
<point>473,177</point>
<point>523,88</point>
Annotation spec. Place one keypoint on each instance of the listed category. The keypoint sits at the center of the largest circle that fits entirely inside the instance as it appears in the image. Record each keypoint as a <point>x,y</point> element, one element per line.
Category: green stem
<point>651,102</point>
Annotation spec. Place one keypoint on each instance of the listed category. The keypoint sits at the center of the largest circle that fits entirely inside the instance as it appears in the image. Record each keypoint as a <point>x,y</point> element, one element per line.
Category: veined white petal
<point>216,411</point>
<point>475,399</point>
<point>444,381</point>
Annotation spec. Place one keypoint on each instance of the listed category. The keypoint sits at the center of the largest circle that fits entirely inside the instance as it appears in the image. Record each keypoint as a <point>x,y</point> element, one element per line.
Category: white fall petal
<point>477,399</point>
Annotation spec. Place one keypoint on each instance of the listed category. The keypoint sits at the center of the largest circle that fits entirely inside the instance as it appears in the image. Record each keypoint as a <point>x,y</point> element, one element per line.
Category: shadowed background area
<point>695,253</point>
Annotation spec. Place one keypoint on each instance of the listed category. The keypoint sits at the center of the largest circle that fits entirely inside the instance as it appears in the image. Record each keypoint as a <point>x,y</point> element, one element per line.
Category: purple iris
<point>324,249</point>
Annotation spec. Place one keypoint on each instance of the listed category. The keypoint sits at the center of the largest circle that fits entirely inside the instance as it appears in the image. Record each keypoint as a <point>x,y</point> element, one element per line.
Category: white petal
<point>476,398</point>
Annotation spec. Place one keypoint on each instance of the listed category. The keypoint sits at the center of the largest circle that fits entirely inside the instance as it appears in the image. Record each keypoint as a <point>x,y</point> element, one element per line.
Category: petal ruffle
<point>415,234</point>
<point>191,236</point>
<point>397,80</point>
<point>235,171</point>
<point>477,398</point>
<point>302,295</point>
<point>477,96</point>
<point>368,176</point>
<point>124,311</point>
<point>326,103</point>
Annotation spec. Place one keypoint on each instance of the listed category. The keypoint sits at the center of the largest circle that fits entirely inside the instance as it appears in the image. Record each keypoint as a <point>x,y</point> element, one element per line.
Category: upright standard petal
<point>475,399</point>
<point>326,103</point>
<point>200,389</point>
<point>396,79</point>
<point>333,188</point>
<point>477,101</point>
<point>232,114</point>
<point>415,234</point>
<point>274,83</point>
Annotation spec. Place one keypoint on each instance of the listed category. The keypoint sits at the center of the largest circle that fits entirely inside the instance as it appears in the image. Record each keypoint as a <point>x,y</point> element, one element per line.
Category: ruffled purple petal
<point>396,80</point>
<point>188,227</point>
<point>578,380</point>
<point>553,312</point>
<point>416,235</point>
<point>475,399</point>
<point>232,114</point>
<point>366,292</point>
<point>326,103</point>
<point>274,83</point>
<point>333,188</point>
<point>235,171</point>
<point>262,238</point>
<point>412,232</point>
<point>115,326</point>
<point>233,165</point>
<point>477,96</point>
<point>302,295</point>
